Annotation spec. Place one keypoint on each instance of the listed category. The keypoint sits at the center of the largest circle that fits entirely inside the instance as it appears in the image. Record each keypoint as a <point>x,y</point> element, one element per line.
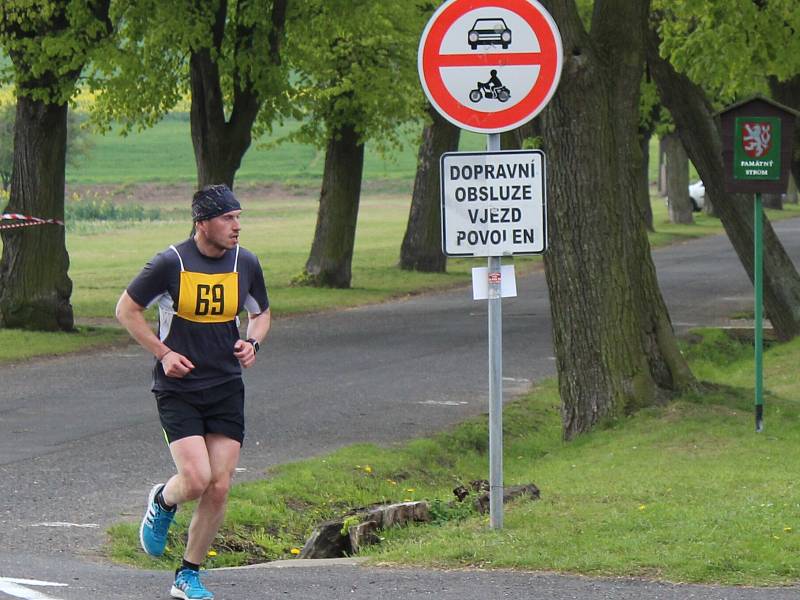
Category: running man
<point>200,286</point>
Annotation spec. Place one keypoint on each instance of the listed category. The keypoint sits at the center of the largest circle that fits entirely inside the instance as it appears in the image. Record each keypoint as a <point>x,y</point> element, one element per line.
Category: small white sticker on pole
<point>482,278</point>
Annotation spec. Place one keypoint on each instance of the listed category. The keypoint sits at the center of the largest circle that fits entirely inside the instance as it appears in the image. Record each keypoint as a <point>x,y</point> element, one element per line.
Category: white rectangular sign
<point>493,203</point>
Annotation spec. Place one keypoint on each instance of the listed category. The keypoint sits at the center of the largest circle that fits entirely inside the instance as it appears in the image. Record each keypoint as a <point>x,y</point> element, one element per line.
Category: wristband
<point>164,355</point>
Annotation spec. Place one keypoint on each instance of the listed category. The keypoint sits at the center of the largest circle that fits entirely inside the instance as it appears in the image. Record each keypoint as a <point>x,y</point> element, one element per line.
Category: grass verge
<point>686,492</point>
<point>18,344</point>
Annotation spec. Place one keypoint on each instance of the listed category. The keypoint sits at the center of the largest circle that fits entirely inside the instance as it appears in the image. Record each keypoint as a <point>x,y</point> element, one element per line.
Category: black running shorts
<point>219,409</point>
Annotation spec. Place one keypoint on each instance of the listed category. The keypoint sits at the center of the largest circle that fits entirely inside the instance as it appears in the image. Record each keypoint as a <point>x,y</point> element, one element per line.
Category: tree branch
<point>277,33</point>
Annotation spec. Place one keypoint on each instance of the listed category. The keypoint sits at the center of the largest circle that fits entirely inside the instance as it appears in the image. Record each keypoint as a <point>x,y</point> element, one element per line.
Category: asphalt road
<point>80,444</point>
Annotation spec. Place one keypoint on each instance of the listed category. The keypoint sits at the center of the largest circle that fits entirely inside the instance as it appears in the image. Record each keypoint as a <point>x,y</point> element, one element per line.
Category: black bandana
<point>213,201</point>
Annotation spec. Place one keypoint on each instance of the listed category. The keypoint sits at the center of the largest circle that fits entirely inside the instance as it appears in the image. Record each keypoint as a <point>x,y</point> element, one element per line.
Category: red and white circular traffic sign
<point>490,65</point>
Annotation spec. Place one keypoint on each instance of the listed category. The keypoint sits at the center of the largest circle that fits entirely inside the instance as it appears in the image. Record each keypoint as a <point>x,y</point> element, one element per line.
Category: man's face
<point>223,231</point>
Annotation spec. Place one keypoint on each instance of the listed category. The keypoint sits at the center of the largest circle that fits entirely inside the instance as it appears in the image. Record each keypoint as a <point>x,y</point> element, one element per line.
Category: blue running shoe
<point>155,524</point>
<point>188,586</point>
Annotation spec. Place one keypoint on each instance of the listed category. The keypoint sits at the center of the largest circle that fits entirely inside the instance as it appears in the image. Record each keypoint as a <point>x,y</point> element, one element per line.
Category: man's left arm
<point>257,306</point>
<point>257,329</point>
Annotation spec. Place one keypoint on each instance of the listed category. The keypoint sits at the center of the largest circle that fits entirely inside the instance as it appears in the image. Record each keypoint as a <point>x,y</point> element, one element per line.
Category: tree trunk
<point>332,251</point>
<point>422,244</point>
<point>693,117</point>
<point>34,286</point>
<point>662,167</point>
<point>680,204</point>
<point>708,206</point>
<point>643,192</point>
<point>218,145</point>
<point>524,137</point>
<point>615,349</point>
<point>791,191</point>
<point>511,140</point>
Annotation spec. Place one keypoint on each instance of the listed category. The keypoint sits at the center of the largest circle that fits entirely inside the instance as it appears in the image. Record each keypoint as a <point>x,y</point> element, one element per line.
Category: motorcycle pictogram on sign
<point>493,89</point>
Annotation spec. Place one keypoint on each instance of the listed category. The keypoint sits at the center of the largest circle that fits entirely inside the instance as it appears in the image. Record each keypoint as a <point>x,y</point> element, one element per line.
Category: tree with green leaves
<point>758,40</point>
<point>355,63</point>
<point>49,43</point>
<point>615,348</point>
<point>225,54</point>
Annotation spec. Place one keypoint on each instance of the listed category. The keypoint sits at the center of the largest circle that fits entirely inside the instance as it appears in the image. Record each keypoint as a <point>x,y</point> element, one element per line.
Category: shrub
<point>97,209</point>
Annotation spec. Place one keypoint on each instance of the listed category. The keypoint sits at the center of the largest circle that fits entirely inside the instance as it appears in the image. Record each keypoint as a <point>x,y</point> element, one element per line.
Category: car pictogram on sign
<point>489,32</point>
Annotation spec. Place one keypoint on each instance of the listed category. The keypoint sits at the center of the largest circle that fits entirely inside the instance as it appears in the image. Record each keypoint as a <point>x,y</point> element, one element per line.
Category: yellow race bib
<point>205,298</point>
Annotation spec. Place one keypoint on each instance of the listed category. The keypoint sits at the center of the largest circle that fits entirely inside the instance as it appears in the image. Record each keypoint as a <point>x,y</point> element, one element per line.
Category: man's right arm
<point>131,315</point>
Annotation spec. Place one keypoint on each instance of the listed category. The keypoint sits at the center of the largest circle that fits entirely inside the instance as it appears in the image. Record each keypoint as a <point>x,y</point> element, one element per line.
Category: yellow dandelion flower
<point>212,552</point>
<point>295,551</point>
<point>642,506</point>
<point>368,469</point>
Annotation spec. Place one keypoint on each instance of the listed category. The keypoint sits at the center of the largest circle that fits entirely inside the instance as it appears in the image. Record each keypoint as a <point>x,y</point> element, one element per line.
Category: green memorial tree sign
<point>756,153</point>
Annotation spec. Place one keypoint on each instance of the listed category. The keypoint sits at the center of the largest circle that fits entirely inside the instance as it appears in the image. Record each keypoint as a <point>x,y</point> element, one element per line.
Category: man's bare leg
<point>190,455</point>
<point>223,456</point>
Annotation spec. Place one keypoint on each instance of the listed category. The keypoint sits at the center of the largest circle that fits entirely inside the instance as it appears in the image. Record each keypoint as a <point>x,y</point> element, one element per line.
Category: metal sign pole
<point>758,278</point>
<point>495,380</point>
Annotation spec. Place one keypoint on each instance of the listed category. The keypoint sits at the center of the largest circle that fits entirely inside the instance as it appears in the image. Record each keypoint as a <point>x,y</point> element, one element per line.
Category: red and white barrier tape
<point>25,221</point>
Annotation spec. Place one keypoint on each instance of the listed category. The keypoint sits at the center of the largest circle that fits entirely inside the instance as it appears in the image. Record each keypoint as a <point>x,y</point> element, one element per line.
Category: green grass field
<point>686,492</point>
<point>164,154</point>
